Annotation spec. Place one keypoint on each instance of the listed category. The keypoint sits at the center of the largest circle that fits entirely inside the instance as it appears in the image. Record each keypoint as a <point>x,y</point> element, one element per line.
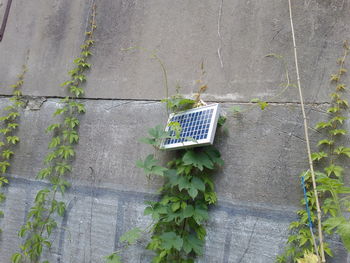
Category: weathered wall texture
<point>264,152</point>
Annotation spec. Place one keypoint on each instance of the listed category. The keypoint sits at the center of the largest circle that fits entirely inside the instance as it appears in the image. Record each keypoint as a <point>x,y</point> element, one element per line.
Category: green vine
<point>329,178</point>
<point>9,127</point>
<point>40,219</point>
<point>178,232</point>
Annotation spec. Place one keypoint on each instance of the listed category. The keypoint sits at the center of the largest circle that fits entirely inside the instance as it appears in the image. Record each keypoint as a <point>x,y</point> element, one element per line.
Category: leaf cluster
<point>40,220</point>
<point>178,102</point>
<point>334,194</point>
<point>178,232</point>
<point>9,125</point>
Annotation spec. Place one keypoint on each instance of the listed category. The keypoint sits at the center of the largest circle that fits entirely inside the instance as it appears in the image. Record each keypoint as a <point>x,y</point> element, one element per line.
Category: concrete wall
<point>264,151</point>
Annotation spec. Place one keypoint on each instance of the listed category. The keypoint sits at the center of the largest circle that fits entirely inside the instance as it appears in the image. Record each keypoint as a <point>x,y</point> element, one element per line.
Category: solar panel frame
<point>209,140</point>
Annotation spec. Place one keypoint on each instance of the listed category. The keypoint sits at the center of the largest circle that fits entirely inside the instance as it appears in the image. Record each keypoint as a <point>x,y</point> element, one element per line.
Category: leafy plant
<point>329,177</point>
<point>9,123</point>
<point>178,232</point>
<point>40,219</point>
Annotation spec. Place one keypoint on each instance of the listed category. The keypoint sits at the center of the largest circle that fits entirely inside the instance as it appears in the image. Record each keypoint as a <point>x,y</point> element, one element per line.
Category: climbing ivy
<point>9,125</point>
<point>40,219</point>
<point>178,233</point>
<point>329,178</point>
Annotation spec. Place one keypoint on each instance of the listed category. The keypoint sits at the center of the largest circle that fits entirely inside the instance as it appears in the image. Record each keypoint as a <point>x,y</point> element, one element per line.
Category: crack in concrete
<point>130,100</point>
<point>219,34</point>
<point>249,241</point>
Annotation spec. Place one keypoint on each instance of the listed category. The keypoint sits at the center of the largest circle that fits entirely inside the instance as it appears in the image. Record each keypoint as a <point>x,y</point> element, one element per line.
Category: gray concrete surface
<point>184,33</point>
<point>264,151</point>
<point>258,188</point>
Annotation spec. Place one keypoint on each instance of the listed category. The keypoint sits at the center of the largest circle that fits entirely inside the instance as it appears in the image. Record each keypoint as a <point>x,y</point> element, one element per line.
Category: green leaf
<point>214,155</point>
<point>338,132</point>
<point>193,192</point>
<point>188,211</point>
<point>52,127</point>
<point>6,154</point>
<point>327,249</point>
<point>210,197</point>
<point>318,156</point>
<point>192,243</point>
<point>59,183</point>
<point>12,125</point>
<point>71,135</point>
<point>198,184</point>
<point>50,157</point>
<point>66,83</point>
<point>150,166</point>
<point>8,108</point>
<point>61,208</point>
<point>325,141</point>
<point>335,77</point>
<point>176,128</point>
<point>44,173</point>
<point>41,196</point>
<point>62,168</point>
<point>13,115</point>
<point>200,214</point>
<point>113,258</point>
<point>80,78</point>
<point>5,131</point>
<point>16,258</point>
<point>171,240</point>
<point>343,103</point>
<point>197,159</point>
<point>55,142</point>
<point>3,180</point>
<point>343,150</point>
<point>76,91</point>
<point>175,206</point>
<point>79,106</point>
<point>344,232</point>
<point>322,125</point>
<point>341,87</point>
<point>71,122</point>
<point>333,222</point>
<point>3,166</point>
<point>60,111</point>
<point>131,236</point>
<point>74,72</point>
<point>65,151</point>
<point>12,139</point>
<point>334,169</point>
<point>333,110</point>
<point>263,104</point>
<point>178,103</point>
<point>338,119</point>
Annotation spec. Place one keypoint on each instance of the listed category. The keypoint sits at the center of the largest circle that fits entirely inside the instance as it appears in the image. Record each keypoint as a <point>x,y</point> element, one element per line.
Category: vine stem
<point>307,138</point>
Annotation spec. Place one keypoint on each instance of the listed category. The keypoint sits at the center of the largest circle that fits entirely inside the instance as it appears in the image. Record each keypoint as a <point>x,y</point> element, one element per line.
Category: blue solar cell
<point>193,124</point>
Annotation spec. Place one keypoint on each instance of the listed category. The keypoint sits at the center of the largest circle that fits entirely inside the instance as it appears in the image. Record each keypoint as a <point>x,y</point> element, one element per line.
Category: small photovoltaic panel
<point>198,127</point>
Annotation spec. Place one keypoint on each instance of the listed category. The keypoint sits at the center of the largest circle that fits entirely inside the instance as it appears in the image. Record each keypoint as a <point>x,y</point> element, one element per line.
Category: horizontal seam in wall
<point>158,100</point>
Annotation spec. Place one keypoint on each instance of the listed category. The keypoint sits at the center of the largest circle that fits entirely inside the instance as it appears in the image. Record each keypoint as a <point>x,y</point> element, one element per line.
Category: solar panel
<point>198,127</point>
